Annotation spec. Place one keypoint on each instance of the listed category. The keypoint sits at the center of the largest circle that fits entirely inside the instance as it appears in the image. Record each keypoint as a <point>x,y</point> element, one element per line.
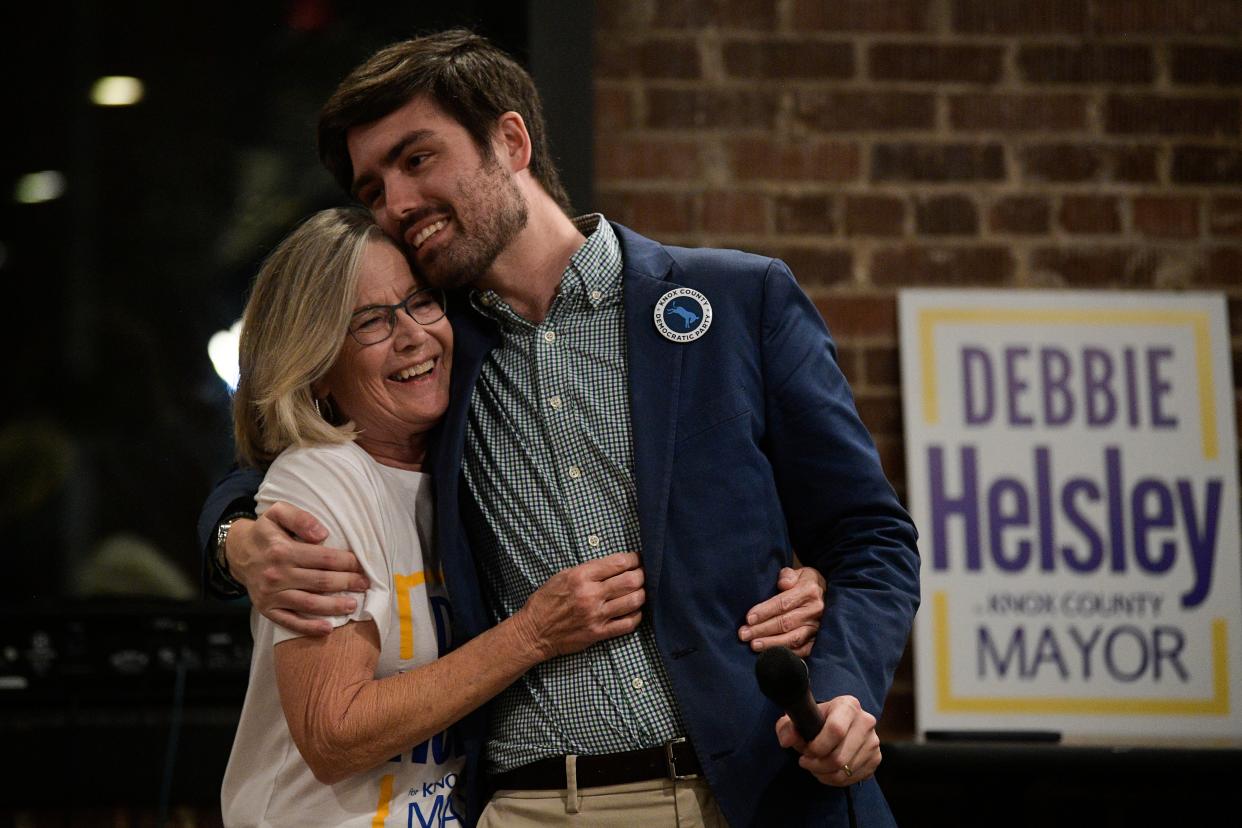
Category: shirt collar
<point>593,273</point>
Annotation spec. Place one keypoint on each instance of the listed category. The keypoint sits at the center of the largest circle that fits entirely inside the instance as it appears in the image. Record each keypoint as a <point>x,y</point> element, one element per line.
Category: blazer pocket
<point>698,417</point>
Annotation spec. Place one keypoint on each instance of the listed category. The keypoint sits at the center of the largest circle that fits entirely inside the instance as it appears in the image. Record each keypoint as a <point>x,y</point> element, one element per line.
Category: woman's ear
<point>511,142</point>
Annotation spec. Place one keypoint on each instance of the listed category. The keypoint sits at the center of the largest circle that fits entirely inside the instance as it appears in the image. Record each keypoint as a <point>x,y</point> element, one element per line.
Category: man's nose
<point>402,199</point>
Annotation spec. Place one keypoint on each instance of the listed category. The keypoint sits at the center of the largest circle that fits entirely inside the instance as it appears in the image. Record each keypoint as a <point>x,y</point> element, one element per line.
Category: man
<point>614,394</point>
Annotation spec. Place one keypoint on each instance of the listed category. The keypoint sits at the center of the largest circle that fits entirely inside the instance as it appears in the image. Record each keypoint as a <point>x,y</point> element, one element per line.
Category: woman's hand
<point>791,617</point>
<point>582,605</point>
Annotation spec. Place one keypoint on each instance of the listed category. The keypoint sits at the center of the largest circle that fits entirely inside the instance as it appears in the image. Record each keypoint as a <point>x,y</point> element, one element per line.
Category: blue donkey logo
<point>688,317</point>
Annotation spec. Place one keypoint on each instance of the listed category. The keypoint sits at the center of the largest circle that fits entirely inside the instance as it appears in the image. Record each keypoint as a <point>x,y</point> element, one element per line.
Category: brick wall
<point>876,144</point>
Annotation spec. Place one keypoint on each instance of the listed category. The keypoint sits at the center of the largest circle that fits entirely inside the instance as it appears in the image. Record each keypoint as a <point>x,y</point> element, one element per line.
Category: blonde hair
<point>293,328</point>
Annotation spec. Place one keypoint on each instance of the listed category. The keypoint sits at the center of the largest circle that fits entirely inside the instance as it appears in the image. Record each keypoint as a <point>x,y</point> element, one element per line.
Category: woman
<point>345,367</point>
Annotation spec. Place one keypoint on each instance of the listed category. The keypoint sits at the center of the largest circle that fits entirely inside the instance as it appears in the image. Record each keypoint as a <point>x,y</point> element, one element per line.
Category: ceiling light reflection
<point>116,90</point>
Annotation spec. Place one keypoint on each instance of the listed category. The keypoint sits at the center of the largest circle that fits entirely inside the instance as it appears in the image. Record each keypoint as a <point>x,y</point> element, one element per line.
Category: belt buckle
<point>672,761</point>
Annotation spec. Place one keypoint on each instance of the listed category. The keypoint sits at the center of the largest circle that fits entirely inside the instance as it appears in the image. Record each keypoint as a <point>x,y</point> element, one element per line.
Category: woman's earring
<point>324,409</point>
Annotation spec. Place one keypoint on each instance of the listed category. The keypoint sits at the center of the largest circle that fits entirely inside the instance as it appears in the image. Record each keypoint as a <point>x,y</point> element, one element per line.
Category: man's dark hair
<point>464,74</point>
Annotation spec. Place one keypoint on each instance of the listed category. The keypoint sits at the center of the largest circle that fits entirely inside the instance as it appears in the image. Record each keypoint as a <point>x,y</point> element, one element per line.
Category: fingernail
<point>360,585</point>
<point>758,645</point>
<point>744,633</point>
<point>753,618</point>
<point>351,605</point>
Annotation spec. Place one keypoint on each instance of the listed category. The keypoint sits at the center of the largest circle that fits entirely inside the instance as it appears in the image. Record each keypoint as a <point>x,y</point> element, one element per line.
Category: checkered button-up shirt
<point>549,459</point>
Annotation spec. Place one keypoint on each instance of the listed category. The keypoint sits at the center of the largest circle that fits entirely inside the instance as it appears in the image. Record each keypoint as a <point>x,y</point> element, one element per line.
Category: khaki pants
<point>686,803</point>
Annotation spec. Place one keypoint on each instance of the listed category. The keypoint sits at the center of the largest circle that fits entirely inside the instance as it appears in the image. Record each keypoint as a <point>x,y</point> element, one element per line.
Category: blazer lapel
<point>473,338</point>
<point>655,379</point>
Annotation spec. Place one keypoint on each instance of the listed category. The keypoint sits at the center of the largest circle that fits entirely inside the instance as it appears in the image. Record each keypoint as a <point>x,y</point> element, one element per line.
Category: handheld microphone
<point>784,679</point>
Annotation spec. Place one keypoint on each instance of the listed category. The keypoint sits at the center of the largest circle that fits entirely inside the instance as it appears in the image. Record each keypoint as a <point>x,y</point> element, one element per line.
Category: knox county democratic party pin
<point>683,315</point>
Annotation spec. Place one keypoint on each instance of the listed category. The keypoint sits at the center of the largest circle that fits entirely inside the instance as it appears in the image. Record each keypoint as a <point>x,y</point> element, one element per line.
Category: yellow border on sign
<point>947,702</point>
<point>929,318</point>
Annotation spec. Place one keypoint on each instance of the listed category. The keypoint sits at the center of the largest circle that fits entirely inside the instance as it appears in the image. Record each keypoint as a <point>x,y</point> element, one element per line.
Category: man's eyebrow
<point>390,157</point>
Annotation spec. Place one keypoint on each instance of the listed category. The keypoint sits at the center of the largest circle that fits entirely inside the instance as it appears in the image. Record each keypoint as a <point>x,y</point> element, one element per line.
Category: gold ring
<point>846,770</point>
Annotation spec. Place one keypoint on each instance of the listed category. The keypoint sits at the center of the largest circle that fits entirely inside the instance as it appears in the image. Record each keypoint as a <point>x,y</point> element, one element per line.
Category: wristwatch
<point>222,536</point>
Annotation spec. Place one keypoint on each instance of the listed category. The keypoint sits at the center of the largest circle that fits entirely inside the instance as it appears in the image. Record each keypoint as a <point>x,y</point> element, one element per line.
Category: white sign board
<point>1073,473</point>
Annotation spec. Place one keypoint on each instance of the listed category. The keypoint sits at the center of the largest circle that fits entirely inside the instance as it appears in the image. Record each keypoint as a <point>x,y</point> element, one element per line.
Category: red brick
<point>931,62</point>
<point>882,366</point>
<point>849,360</point>
<point>723,14</point>
<point>649,212</point>
<point>670,58</point>
<point>1020,214</point>
<point>937,162</point>
<point>818,266</point>
<point>1043,17</point>
<point>880,412</point>
<point>1162,115</point>
<point>729,211</point>
<point>1207,165</point>
<point>789,59</point>
<point>911,266</point>
<point>1097,267</point>
<point>946,215</point>
<point>1167,217</point>
<point>1093,63</point>
<point>1018,113</point>
<point>761,159</point>
<point>614,109</point>
<point>647,159</point>
<point>1090,214</point>
<point>710,108</point>
<point>1224,269</point>
<point>1220,65</point>
<point>873,215</point>
<point>1225,218</point>
<point>659,58</point>
<point>622,15</point>
<point>805,214</point>
<point>861,15</point>
<point>1088,162</point>
<point>859,316</point>
<point>839,111</point>
<point>1165,17</point>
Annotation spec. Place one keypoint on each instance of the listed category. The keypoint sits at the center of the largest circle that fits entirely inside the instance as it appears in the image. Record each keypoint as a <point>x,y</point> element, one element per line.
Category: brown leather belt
<point>675,760</point>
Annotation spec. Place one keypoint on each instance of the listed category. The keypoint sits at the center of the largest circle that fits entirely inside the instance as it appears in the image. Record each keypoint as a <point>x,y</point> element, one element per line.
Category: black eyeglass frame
<point>437,295</point>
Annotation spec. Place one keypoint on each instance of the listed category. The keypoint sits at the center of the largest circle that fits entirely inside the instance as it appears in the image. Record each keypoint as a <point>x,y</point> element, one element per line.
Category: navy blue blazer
<point>747,446</point>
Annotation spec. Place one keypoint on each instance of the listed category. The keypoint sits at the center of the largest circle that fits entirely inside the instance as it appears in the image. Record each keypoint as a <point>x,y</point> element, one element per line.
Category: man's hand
<point>847,749</point>
<point>584,604</point>
<point>277,558</point>
<point>791,617</point>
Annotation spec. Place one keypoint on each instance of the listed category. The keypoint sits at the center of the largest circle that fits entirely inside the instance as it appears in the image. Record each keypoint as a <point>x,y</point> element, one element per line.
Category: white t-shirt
<point>385,516</point>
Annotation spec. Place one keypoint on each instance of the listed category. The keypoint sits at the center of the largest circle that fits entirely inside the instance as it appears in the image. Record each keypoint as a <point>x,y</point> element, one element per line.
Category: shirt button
<point>575,472</point>
<point>549,336</point>
<point>555,402</point>
<point>593,541</point>
<point>596,296</point>
<point>637,682</point>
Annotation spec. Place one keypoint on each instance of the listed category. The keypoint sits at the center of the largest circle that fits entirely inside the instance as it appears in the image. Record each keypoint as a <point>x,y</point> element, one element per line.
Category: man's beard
<point>495,214</point>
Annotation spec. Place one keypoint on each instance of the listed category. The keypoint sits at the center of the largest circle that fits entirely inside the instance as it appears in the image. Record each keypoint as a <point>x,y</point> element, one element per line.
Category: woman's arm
<point>345,721</point>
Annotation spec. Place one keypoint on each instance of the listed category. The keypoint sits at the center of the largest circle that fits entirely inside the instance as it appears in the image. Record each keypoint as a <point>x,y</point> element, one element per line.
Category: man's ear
<point>511,142</point>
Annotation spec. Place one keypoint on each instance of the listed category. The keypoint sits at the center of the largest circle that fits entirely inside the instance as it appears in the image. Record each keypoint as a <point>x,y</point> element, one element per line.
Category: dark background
<point>116,424</point>
<point>119,686</point>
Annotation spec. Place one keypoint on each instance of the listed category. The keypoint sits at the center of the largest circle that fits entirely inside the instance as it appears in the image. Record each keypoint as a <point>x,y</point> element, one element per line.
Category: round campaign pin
<point>683,315</point>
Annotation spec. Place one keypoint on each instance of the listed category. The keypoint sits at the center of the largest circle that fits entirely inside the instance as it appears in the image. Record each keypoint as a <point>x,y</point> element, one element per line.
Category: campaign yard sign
<point>1073,473</point>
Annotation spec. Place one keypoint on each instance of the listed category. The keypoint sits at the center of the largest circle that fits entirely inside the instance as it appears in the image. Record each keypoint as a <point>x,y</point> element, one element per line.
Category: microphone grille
<point>782,676</point>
